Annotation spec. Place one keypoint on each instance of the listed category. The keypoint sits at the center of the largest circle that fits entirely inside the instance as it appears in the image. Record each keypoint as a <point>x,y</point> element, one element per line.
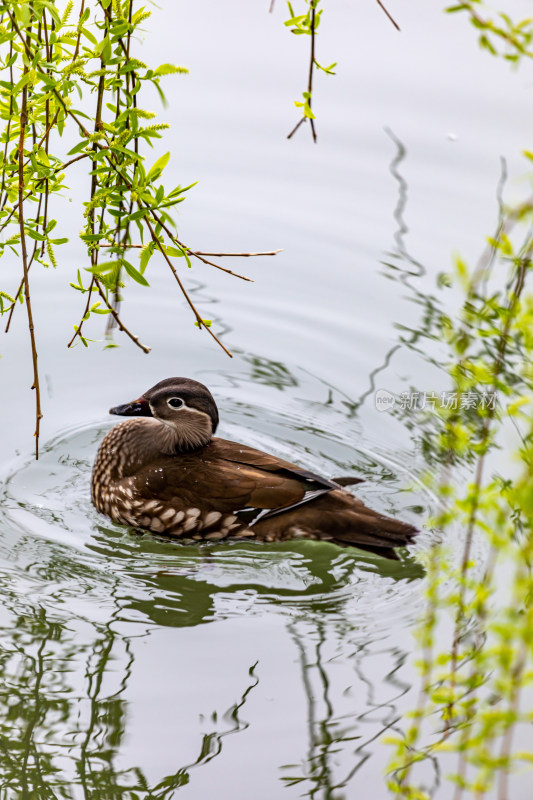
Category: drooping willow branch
<point>307,25</point>
<point>25,266</point>
<point>497,32</point>
<point>472,680</point>
<point>49,62</point>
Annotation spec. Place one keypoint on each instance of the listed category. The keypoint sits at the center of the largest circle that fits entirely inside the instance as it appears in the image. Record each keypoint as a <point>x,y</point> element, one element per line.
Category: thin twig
<point>310,78</point>
<point>36,386</point>
<point>198,255</point>
<point>77,50</point>
<point>311,69</point>
<point>21,284</point>
<point>24,41</point>
<point>119,322</point>
<point>94,187</point>
<point>201,252</point>
<point>217,266</point>
<point>199,319</point>
<point>3,200</point>
<point>77,331</point>
<point>66,164</point>
<point>131,79</point>
<point>193,253</point>
<point>46,139</point>
<point>389,15</point>
<point>300,122</point>
<point>47,131</point>
<point>236,255</point>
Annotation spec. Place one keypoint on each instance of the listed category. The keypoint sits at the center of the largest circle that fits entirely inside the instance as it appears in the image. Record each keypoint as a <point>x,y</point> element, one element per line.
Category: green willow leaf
<point>158,167</point>
<point>134,273</point>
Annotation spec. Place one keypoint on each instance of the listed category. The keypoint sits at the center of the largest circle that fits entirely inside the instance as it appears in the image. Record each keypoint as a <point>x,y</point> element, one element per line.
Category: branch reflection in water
<point>55,736</point>
<point>341,740</point>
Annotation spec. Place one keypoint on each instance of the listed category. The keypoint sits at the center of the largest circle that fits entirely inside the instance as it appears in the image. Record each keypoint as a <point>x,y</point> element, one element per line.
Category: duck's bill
<point>138,408</point>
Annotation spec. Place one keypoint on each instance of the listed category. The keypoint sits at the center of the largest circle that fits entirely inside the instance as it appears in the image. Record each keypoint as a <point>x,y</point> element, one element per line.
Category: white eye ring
<point>175,402</point>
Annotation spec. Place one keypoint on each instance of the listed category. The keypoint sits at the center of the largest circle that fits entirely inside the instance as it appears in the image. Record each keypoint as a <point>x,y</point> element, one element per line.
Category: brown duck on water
<point>164,470</point>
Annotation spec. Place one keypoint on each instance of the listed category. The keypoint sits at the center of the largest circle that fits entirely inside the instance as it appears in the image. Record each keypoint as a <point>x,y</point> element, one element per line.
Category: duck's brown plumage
<point>165,471</point>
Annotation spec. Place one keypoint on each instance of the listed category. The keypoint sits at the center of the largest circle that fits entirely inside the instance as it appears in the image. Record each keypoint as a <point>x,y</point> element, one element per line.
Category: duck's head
<point>184,406</point>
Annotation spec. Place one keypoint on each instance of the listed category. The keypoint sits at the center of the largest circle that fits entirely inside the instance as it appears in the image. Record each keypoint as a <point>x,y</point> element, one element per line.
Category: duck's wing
<point>241,454</point>
<point>230,478</point>
<point>215,483</point>
<point>280,485</point>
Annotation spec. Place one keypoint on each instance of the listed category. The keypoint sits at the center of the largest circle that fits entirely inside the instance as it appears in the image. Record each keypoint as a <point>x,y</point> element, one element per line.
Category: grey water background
<point>134,664</point>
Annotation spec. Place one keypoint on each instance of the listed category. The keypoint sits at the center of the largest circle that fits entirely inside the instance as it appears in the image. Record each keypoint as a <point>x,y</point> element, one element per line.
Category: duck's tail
<point>371,531</point>
<point>343,519</point>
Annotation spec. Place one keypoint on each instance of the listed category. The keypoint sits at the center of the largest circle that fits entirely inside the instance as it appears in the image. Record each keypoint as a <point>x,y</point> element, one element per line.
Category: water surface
<point>134,666</point>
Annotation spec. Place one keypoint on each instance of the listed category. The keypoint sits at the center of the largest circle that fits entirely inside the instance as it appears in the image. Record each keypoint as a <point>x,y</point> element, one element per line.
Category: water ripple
<point>70,553</point>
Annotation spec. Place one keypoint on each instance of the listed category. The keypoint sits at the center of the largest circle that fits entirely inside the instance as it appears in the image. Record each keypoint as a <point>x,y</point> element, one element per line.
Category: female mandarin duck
<point>165,471</point>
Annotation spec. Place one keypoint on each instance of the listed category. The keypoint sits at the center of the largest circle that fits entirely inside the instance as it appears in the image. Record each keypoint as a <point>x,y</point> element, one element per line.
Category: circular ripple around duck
<point>70,553</point>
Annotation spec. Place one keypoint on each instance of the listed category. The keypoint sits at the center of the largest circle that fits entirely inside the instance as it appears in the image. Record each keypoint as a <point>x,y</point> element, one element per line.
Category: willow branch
<point>236,255</point>
<point>77,331</point>
<point>94,186</point>
<point>481,23</point>
<point>199,319</point>
<point>47,131</point>
<point>117,319</point>
<point>35,385</point>
<point>311,69</point>
<point>38,182</point>
<point>514,704</point>
<point>24,40</point>
<point>195,253</point>
<point>46,136</point>
<point>31,57</point>
<point>199,254</point>
<point>8,218</point>
<point>155,239</point>
<point>515,293</point>
<point>217,266</point>
<point>3,200</point>
<point>130,82</point>
<point>78,40</point>
<point>189,252</point>
<point>96,146</point>
<point>309,79</point>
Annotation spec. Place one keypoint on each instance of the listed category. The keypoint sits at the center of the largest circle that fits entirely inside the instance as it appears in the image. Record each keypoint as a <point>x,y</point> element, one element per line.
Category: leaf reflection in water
<point>63,711</point>
<point>341,741</point>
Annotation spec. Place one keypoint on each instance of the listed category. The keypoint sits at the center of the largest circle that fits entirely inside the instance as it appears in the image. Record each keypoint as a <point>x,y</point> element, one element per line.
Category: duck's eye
<point>175,402</point>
